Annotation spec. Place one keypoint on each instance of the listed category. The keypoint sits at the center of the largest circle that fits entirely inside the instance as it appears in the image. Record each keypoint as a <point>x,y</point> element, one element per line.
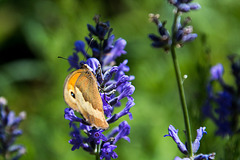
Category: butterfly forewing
<point>89,100</point>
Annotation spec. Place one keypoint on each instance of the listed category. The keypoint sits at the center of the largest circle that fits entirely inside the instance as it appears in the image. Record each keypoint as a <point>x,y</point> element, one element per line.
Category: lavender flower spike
<point>114,85</point>
<point>9,131</point>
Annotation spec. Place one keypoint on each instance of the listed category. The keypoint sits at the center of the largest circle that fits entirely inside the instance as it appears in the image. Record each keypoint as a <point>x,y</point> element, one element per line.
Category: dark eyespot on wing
<point>72,94</point>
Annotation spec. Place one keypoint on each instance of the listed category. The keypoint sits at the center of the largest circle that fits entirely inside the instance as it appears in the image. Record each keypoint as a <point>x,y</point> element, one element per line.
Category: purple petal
<point>127,90</point>
<point>123,132</point>
<point>210,156</point>
<point>93,63</point>
<point>70,115</point>
<point>184,7</point>
<point>196,143</point>
<point>117,51</point>
<point>109,73</point>
<point>107,151</point>
<point>189,37</point>
<point>194,6</point>
<point>217,72</point>
<point>125,111</point>
<point>172,132</point>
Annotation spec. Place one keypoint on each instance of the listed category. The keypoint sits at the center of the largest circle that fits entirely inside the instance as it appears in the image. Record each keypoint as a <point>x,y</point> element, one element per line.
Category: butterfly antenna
<point>62,58</point>
<point>67,59</point>
<point>89,44</point>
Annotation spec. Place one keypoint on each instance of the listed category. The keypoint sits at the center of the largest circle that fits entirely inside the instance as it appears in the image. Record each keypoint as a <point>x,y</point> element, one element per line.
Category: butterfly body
<point>81,94</point>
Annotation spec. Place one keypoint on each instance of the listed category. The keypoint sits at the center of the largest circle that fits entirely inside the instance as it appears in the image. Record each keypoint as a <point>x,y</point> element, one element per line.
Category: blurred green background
<point>34,33</point>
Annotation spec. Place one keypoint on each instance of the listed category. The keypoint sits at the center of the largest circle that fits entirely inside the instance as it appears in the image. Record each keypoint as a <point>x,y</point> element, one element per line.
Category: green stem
<point>180,87</point>
<point>98,153</point>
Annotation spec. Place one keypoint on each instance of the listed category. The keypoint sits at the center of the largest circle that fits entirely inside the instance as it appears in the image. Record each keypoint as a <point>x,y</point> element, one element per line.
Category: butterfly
<point>82,95</point>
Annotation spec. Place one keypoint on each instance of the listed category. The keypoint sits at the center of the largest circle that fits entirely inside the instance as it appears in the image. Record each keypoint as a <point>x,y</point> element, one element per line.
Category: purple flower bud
<point>194,6</point>
<point>217,72</point>
<point>125,111</point>
<point>110,87</point>
<point>189,37</point>
<point>122,68</point>
<point>210,156</point>
<point>196,143</point>
<point>184,7</point>
<point>91,29</point>
<point>153,37</point>
<point>70,115</point>
<point>17,132</point>
<point>127,90</point>
<point>123,132</point>
<point>108,109</point>
<point>93,63</point>
<point>116,51</point>
<point>109,44</point>
<point>172,132</point>
<point>101,29</point>
<point>122,80</point>
<point>96,136</point>
<point>109,73</point>
<point>76,143</point>
<point>79,46</point>
<point>73,61</point>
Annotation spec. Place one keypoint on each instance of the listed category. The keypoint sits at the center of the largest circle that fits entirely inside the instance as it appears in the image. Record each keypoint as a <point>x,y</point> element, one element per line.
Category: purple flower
<point>122,68</point>
<point>108,45</point>
<point>125,111</point>
<point>101,28</point>
<point>163,40</point>
<point>109,74</point>
<point>70,115</point>
<point>184,5</point>
<point>182,34</point>
<point>123,132</point>
<point>93,63</point>
<point>222,106</point>
<point>78,140</point>
<point>107,151</point>
<point>217,72</point>
<point>96,136</point>
<point>79,46</point>
<point>9,131</point>
<point>115,52</point>
<point>73,61</point>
